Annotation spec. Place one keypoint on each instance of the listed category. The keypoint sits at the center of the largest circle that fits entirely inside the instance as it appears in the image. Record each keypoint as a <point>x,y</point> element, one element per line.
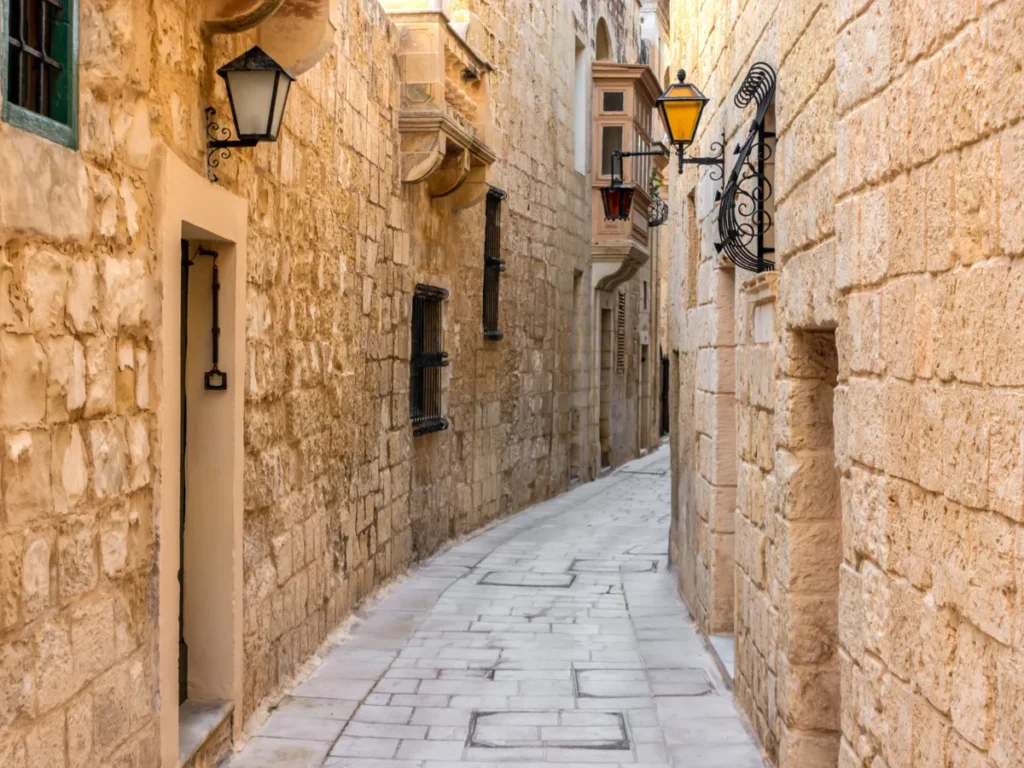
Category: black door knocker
<point>215,378</point>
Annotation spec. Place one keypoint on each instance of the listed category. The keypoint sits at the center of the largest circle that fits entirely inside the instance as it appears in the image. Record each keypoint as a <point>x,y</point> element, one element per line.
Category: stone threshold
<point>198,723</point>
<point>723,650</point>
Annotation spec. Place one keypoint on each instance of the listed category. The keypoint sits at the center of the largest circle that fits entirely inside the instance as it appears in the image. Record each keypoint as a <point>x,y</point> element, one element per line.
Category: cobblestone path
<point>555,637</point>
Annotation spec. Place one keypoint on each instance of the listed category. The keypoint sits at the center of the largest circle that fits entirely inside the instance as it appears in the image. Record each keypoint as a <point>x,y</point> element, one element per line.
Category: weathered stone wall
<point>755,517</point>
<point>338,496</point>
<point>894,377</point>
<point>77,417</point>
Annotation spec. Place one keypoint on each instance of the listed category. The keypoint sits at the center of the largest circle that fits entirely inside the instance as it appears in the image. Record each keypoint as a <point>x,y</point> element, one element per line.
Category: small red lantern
<point>618,200</point>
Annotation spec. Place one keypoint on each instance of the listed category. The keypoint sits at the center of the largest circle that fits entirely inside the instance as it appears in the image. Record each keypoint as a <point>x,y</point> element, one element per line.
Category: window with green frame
<point>39,66</point>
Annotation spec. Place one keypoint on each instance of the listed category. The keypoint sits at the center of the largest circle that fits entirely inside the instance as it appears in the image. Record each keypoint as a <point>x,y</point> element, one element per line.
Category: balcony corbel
<point>473,190</point>
<point>229,16</point>
<point>295,33</point>
<point>451,173</point>
<point>614,264</point>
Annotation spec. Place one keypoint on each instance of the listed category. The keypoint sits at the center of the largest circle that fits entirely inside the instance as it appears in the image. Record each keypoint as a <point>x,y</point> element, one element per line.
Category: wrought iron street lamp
<point>682,106</point>
<point>618,200</point>
<point>257,90</point>
<point>618,196</point>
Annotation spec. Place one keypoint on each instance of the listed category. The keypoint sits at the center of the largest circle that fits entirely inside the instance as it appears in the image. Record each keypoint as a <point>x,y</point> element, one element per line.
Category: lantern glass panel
<point>252,98</point>
<point>681,119</point>
<point>618,201</point>
<point>681,106</point>
<point>283,84</point>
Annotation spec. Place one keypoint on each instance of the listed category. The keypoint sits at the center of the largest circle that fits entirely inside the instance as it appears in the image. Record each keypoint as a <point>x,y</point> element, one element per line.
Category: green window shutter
<point>61,126</point>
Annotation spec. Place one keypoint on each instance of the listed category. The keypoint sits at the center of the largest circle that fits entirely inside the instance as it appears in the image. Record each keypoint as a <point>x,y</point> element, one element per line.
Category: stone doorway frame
<point>189,207</point>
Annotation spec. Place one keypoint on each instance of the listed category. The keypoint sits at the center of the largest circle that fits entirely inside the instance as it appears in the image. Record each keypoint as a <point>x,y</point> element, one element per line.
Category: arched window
<point>579,108</point>
<point>603,47</point>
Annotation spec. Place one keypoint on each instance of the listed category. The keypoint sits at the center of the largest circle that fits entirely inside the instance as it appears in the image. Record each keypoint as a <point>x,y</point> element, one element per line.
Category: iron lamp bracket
<point>716,160</point>
<point>218,145</point>
<point>661,151</point>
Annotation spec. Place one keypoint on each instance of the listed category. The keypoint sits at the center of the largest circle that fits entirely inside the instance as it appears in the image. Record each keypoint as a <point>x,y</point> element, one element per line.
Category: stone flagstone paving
<point>554,637</point>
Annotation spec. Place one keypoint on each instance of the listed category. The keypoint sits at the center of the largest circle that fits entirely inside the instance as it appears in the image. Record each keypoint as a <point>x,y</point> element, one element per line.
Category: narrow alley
<point>553,637</point>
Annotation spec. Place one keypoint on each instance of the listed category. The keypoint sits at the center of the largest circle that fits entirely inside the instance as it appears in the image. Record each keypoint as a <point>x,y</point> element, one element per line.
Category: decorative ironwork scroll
<point>659,209</point>
<point>219,144</point>
<point>743,219</point>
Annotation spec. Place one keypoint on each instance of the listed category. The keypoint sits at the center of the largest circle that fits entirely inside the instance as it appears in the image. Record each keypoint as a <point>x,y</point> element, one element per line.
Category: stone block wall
<point>78,402</point>
<point>338,496</point>
<point>756,513</point>
<point>928,258</point>
<point>885,627</point>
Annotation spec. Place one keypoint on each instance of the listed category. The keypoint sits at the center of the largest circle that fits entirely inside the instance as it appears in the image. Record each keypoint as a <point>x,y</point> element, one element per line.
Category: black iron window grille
<point>427,360</point>
<point>620,335</point>
<point>493,264</point>
<point>38,66</point>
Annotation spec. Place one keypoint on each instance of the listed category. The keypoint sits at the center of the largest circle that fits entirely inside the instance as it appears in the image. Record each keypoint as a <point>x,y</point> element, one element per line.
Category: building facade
<point>323,443</point>
<point>846,427</point>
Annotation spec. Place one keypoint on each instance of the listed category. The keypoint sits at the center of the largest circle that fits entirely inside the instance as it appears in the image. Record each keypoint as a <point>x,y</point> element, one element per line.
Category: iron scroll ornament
<point>743,220</point>
<point>659,209</point>
<point>219,144</point>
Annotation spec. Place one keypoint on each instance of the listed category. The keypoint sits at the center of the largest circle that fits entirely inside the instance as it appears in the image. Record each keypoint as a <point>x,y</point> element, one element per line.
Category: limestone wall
<point>338,496</point>
<point>78,313</point>
<point>756,519</point>
<point>893,445</point>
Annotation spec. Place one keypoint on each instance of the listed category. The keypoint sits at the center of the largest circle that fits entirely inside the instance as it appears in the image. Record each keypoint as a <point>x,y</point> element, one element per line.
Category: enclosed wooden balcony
<point>623,115</point>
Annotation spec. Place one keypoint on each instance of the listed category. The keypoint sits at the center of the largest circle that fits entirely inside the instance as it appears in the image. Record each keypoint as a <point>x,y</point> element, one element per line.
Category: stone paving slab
<point>553,638</point>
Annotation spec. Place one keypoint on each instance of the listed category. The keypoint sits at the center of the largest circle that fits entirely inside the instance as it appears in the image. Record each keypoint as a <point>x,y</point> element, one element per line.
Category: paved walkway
<point>555,637</point>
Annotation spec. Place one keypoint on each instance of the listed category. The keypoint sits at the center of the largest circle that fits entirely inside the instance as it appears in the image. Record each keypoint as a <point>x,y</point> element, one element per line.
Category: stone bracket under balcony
<point>614,264</point>
<point>445,105</point>
<point>295,33</point>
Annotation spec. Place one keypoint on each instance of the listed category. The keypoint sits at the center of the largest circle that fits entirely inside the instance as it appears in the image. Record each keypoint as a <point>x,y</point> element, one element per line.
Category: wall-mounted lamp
<point>618,200</point>
<point>618,196</point>
<point>682,106</point>
<point>257,91</point>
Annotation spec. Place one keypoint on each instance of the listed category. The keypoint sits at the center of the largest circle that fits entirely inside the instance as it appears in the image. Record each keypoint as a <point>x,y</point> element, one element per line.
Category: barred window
<point>426,361</point>
<point>620,335</point>
<point>39,65</point>
<point>493,264</point>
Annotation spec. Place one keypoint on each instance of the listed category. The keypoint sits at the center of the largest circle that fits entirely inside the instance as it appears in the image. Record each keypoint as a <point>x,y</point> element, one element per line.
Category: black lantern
<point>682,106</point>
<point>257,91</point>
<point>618,200</point>
<point>618,196</point>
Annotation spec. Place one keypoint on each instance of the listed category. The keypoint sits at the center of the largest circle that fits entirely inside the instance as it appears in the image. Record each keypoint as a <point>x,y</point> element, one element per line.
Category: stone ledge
<point>199,724</point>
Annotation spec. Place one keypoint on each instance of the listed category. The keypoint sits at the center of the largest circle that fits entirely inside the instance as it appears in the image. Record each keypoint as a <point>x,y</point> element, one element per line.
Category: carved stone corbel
<point>299,34</point>
<point>228,16</point>
<point>473,190</point>
<point>295,33</point>
<point>615,264</point>
<point>453,171</point>
<point>422,153</point>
